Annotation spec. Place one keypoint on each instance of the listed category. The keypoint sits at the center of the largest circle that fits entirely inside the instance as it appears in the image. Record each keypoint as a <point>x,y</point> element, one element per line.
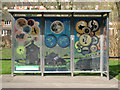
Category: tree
<point>118,8</point>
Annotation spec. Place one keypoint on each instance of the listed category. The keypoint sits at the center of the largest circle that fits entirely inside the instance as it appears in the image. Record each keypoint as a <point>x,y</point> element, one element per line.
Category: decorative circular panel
<point>78,46</point>
<point>93,25</point>
<point>27,29</point>
<point>35,38</point>
<point>57,27</point>
<point>35,30</point>
<point>20,36</point>
<point>85,40</point>
<point>92,33</point>
<point>63,41</point>
<point>31,22</point>
<point>80,26</point>
<point>95,40</point>
<point>50,41</point>
<point>87,30</point>
<point>20,50</point>
<point>93,48</point>
<point>85,50</point>
<point>21,22</point>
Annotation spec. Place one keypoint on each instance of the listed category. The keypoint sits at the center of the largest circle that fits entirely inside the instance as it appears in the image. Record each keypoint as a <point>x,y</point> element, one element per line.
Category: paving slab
<point>57,82</point>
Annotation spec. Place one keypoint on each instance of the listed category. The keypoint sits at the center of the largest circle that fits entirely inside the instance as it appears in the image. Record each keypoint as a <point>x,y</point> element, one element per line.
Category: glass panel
<point>57,44</point>
<point>27,44</point>
<point>87,44</point>
<point>105,45</point>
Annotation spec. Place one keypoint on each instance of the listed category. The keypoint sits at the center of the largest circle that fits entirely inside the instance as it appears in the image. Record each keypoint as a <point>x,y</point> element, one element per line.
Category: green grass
<point>114,64</point>
<point>6,54</point>
<point>6,66</point>
<point>114,68</point>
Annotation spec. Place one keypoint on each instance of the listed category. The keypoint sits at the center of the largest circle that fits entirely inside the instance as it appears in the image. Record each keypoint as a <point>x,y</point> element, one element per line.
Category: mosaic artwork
<point>27,44</point>
<point>87,46</point>
<point>57,44</point>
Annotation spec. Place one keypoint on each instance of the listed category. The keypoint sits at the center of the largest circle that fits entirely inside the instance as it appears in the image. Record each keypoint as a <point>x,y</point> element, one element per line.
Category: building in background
<point>6,24</point>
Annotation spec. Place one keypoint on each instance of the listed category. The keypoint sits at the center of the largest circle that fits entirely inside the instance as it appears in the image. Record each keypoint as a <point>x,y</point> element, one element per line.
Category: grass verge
<point>113,67</point>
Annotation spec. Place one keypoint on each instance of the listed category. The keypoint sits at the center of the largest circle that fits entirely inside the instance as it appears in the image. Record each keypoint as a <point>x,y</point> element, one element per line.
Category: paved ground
<point>57,82</point>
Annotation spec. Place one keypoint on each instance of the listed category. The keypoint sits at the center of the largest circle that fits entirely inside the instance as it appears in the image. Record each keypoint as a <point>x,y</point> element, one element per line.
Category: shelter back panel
<point>27,44</point>
<point>87,44</point>
<point>57,44</point>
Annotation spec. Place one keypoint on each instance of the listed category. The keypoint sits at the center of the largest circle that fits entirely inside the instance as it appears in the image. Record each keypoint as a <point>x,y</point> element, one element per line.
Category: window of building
<point>8,32</point>
<point>7,22</point>
<point>2,31</point>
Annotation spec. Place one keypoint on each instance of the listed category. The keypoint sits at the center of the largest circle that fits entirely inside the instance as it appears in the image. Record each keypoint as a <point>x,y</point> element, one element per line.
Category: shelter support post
<point>101,46</point>
<point>42,45</point>
<point>107,46</point>
<point>72,44</point>
<point>12,45</point>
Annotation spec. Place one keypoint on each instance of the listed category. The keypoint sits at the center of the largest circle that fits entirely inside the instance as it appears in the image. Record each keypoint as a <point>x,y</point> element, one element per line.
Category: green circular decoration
<point>20,50</point>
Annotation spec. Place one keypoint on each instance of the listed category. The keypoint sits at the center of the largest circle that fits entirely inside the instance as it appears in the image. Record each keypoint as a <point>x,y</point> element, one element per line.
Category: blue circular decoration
<point>27,29</point>
<point>63,41</point>
<point>50,41</point>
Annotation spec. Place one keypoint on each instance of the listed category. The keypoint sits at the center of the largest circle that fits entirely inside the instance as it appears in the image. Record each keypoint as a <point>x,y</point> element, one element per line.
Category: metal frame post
<point>108,46</point>
<point>41,53</point>
<point>101,46</point>
<point>12,46</point>
<point>72,44</point>
<point>42,44</point>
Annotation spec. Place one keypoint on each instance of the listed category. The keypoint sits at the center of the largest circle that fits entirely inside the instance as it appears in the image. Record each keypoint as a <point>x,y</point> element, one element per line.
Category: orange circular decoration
<point>35,30</point>
<point>80,26</point>
<point>21,22</point>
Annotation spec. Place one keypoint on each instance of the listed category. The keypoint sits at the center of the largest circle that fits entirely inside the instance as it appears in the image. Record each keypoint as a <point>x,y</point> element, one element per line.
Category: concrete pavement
<point>57,82</point>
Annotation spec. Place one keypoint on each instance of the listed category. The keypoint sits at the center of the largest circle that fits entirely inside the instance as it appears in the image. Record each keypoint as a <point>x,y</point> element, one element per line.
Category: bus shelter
<point>60,41</point>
